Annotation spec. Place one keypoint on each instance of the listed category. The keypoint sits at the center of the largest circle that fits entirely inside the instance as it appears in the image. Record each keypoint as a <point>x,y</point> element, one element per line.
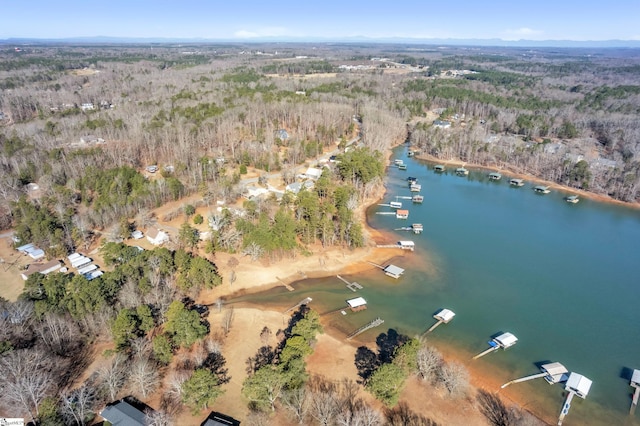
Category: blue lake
<point>564,278</point>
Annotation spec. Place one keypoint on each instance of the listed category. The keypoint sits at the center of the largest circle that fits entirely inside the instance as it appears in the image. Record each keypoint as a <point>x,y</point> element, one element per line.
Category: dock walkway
<point>376,322</point>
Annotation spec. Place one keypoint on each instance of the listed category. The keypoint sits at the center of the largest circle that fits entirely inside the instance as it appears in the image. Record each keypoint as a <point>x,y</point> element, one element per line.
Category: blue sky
<point>300,19</point>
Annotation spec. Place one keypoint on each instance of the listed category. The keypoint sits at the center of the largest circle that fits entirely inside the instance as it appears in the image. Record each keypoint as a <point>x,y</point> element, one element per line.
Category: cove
<point>564,278</point>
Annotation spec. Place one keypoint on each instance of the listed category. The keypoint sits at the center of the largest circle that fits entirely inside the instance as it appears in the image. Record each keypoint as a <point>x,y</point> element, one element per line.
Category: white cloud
<point>262,32</point>
<point>521,32</point>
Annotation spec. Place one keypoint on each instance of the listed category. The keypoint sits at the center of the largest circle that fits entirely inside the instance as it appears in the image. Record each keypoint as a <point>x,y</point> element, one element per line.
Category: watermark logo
<point>11,422</point>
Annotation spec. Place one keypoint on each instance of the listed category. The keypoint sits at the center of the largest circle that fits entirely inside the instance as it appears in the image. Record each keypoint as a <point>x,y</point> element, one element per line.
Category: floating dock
<point>495,176</point>
<point>573,199</point>
<point>442,317</point>
<point>376,322</point>
<point>553,373</point>
<point>439,168</point>
<point>504,341</point>
<point>577,384</point>
<point>417,199</point>
<point>354,286</point>
<point>461,171</point>
<point>415,187</point>
<point>516,182</point>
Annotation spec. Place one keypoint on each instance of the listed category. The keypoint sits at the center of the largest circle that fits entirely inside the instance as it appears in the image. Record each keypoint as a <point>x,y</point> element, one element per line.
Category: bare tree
<point>297,402</point>
<point>265,335</point>
<point>59,334</point>
<point>253,250</point>
<point>323,401</point>
<point>25,378</point>
<point>454,378</point>
<point>77,405</point>
<point>113,375</point>
<point>158,418</point>
<point>144,377</point>
<point>429,362</point>
<point>141,348</point>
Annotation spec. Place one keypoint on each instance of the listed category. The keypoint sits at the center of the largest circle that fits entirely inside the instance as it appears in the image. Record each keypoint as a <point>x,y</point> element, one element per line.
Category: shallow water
<point>564,278</point>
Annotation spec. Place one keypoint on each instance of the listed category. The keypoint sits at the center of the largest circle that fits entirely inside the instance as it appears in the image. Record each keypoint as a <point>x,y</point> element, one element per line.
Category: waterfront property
<point>495,176</point>
<point>516,182</point>
<point>541,189</point>
<point>393,271</point>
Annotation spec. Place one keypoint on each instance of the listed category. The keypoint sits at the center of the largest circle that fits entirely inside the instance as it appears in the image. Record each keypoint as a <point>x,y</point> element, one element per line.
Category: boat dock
<point>404,245</point>
<point>442,317</point>
<point>304,301</point>
<point>504,341</point>
<point>354,286</point>
<point>516,182</point>
<point>416,228</point>
<point>577,384</point>
<point>376,322</point>
<point>393,271</point>
<point>553,373</point>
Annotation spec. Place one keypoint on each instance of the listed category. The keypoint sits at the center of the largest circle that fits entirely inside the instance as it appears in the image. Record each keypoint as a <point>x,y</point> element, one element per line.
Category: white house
<point>313,173</point>
<point>254,191</point>
<point>157,237</point>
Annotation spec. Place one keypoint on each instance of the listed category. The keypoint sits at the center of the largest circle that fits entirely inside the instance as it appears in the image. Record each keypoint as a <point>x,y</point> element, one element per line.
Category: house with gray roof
<point>122,413</point>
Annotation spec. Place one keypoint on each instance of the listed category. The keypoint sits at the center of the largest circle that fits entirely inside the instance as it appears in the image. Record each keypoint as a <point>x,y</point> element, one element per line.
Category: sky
<point>246,20</point>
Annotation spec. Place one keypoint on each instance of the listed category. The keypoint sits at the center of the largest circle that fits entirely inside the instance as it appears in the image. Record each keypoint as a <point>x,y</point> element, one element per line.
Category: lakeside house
<point>157,237</point>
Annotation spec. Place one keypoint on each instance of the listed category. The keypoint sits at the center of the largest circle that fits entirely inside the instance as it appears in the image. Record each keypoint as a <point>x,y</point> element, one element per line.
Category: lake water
<point>564,278</point>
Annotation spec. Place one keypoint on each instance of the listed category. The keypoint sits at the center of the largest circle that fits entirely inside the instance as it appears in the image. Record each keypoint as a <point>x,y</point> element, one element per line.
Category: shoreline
<point>283,273</point>
<point>531,178</point>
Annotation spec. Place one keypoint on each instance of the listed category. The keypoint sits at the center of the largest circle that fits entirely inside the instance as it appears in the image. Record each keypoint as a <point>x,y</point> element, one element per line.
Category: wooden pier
<point>304,301</point>
<point>553,372</point>
<point>354,286</point>
<point>376,322</point>
<point>287,286</point>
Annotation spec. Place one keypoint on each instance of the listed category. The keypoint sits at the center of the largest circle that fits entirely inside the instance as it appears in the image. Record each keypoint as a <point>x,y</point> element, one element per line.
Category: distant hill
<point>362,39</point>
